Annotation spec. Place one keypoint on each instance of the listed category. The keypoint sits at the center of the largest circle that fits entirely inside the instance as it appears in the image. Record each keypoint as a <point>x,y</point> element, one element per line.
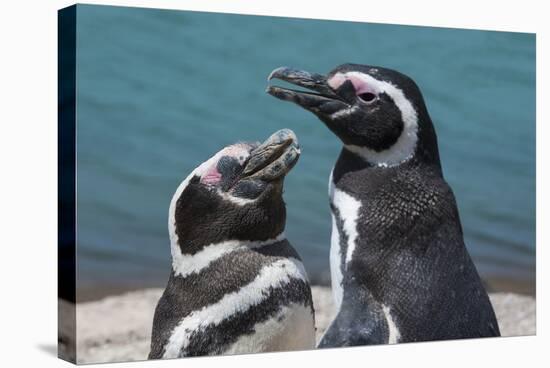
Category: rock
<point>118,328</point>
<point>324,309</point>
<point>516,314</point>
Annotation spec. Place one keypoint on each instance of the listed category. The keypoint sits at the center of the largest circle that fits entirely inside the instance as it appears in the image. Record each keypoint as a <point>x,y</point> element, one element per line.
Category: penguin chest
<point>345,215</point>
<point>291,328</point>
<point>271,311</point>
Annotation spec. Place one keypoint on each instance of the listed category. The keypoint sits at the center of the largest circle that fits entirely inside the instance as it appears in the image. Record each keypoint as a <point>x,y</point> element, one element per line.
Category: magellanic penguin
<point>236,285</point>
<point>400,270</point>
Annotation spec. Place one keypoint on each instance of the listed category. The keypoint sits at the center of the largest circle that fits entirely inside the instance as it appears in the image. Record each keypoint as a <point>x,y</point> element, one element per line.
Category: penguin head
<point>378,113</point>
<point>234,195</point>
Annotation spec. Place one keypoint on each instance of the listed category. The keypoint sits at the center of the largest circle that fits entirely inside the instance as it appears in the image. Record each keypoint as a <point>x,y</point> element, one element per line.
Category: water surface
<point>160,91</point>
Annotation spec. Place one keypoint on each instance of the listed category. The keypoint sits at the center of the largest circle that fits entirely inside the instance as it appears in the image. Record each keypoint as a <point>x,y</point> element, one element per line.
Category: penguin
<point>236,285</point>
<point>400,271</point>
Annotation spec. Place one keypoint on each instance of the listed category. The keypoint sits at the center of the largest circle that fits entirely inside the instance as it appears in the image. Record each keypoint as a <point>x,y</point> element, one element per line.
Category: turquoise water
<point>161,91</point>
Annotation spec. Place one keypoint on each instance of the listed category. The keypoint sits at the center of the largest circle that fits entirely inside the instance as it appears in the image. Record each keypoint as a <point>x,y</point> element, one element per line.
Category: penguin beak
<point>321,99</point>
<point>274,158</point>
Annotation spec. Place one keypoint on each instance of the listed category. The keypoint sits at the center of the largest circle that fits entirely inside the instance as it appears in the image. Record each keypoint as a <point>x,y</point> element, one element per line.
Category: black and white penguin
<point>399,267</point>
<point>237,285</point>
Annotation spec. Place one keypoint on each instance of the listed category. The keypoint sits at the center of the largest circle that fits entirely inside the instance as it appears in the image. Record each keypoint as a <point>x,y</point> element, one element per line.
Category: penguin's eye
<point>367,97</point>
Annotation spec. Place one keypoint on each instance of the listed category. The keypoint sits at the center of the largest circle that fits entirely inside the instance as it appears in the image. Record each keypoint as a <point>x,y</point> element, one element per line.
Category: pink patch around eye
<point>359,84</point>
<point>336,81</point>
<point>212,176</point>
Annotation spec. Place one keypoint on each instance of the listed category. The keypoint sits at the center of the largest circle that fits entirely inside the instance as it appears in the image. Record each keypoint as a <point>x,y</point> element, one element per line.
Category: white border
<point>28,160</point>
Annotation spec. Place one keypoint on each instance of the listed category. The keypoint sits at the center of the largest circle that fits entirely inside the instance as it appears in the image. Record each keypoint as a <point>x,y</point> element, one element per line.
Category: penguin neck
<point>417,143</point>
<point>354,168</point>
<point>184,263</point>
<point>353,162</point>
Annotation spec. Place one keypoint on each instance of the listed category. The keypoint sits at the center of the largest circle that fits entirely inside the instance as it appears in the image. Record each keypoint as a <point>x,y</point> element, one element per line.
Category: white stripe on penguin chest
<point>347,208</point>
<point>272,276</point>
<point>292,328</point>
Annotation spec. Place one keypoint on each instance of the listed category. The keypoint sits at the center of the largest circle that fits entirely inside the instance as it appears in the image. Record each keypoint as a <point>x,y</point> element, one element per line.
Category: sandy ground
<point>118,328</point>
